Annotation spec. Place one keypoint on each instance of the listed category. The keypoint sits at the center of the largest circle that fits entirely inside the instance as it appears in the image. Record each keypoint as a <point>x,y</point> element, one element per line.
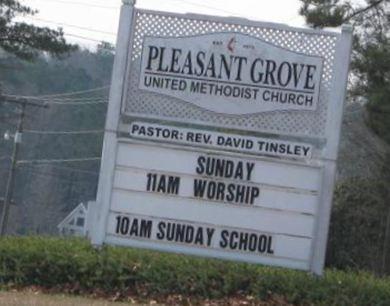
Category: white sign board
<point>221,138</point>
<point>217,203</point>
<point>242,73</point>
<point>218,140</point>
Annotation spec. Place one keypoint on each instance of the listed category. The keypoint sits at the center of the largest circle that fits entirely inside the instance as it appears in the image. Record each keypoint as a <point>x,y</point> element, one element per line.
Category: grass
<point>73,266</point>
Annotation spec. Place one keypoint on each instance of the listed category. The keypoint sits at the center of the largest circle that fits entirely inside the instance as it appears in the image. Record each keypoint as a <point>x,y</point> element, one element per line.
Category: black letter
<point>153,53</point>
<point>175,60</point>
<point>200,168</point>
<point>161,227</point>
<point>223,242</point>
<point>309,76</point>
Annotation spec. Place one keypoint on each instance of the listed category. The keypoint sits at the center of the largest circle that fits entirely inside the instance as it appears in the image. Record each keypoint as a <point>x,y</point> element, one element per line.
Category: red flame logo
<point>231,44</point>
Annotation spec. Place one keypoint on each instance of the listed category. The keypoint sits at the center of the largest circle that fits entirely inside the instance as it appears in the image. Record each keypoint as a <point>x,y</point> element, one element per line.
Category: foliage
<point>56,188</point>
<point>358,225</point>
<point>358,222</point>
<point>74,263</point>
<point>105,48</point>
<point>81,70</point>
<point>332,13</point>
<point>373,61</point>
<point>371,55</point>
<point>26,40</point>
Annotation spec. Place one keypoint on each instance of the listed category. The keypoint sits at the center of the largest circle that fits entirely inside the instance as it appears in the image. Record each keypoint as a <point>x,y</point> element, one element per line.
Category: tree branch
<point>363,10</point>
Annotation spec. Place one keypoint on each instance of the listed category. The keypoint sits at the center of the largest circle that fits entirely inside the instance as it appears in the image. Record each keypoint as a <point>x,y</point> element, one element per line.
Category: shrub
<point>73,263</point>
<point>358,225</point>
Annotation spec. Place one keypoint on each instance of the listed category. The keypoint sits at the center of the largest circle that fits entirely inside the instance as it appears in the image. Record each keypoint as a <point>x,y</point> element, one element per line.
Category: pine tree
<point>371,51</point>
<point>24,40</point>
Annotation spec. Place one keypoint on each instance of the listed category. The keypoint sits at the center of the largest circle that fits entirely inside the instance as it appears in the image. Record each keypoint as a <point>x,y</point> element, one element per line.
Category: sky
<point>87,22</point>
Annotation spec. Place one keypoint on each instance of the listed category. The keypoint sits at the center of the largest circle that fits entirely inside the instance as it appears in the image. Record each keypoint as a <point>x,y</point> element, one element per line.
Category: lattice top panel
<point>291,122</point>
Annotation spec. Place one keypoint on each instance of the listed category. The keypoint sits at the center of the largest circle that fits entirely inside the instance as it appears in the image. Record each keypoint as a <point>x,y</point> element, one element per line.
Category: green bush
<point>62,263</point>
<point>358,225</point>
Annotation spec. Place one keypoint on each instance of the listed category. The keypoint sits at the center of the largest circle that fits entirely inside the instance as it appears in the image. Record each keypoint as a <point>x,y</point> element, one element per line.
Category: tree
<point>358,223</point>
<point>371,51</point>
<point>24,40</point>
<point>105,48</point>
<point>361,211</point>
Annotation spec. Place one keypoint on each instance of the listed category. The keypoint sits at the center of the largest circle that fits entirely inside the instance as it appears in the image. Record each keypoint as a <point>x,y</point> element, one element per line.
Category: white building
<point>76,223</point>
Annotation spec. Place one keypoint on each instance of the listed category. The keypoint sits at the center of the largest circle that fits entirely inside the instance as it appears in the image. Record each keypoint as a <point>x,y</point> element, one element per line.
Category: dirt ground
<point>35,297</point>
<point>15,298</point>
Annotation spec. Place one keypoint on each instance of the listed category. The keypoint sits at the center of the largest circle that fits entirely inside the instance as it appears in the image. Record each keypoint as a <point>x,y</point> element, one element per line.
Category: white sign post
<point>221,138</point>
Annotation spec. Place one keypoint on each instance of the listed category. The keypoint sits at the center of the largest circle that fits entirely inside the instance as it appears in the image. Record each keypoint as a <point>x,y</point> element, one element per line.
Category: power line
<point>56,175</point>
<point>79,92</point>
<point>206,6</point>
<point>20,100</point>
<point>63,168</point>
<point>231,13</point>
<point>82,4</point>
<point>35,168</point>
<point>78,103</point>
<point>70,25</point>
<point>72,97</point>
<point>92,99</point>
<point>196,4</point>
<point>49,161</point>
<point>64,132</point>
<point>87,38</point>
<point>86,101</point>
<point>83,37</point>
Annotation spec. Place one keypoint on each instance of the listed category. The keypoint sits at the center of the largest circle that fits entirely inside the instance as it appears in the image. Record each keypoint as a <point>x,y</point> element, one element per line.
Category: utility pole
<point>22,102</point>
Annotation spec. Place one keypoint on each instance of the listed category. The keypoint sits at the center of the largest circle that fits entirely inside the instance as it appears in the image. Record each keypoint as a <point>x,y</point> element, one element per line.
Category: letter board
<point>221,138</point>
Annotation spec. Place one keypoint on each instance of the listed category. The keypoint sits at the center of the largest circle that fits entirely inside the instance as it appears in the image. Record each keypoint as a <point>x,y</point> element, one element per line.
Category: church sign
<point>221,138</point>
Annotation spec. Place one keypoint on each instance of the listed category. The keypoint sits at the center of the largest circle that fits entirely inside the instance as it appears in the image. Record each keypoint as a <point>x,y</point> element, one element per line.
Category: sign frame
<point>115,108</point>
